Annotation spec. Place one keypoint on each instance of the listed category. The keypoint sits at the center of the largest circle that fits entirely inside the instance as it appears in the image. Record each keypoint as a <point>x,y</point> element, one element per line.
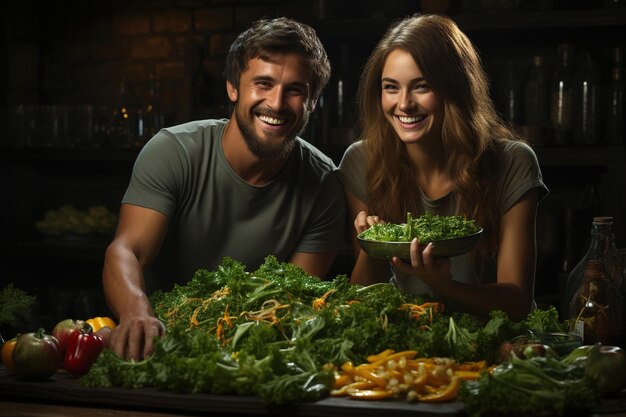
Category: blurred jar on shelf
<point>562,96</point>
<point>53,126</point>
<point>23,125</point>
<point>151,112</point>
<point>587,99</point>
<point>120,132</point>
<point>510,101</point>
<point>536,115</point>
<point>615,113</point>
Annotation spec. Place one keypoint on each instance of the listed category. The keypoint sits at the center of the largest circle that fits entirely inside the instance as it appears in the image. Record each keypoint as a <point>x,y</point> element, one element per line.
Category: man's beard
<point>268,148</point>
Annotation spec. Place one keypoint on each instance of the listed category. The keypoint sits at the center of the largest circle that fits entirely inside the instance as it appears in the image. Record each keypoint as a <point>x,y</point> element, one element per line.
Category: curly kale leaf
<point>545,321</point>
<point>528,387</point>
<point>498,329</point>
<point>428,228</point>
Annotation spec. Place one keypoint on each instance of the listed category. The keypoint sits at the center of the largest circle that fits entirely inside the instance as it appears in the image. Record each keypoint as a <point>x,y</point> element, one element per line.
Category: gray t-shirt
<point>518,172</point>
<point>182,172</point>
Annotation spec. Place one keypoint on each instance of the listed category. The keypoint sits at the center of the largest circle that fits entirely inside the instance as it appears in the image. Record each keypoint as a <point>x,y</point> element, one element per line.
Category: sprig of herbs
<point>15,305</point>
<point>428,228</point>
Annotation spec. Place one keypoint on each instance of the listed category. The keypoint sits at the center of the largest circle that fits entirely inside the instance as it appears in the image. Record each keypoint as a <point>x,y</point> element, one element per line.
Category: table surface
<point>62,396</point>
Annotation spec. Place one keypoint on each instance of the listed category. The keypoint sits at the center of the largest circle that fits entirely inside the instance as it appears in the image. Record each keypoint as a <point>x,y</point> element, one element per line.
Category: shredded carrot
<point>194,318</point>
<point>320,303</point>
<point>418,311</point>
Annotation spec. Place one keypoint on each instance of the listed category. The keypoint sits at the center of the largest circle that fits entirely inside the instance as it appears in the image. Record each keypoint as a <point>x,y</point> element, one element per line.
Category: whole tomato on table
<point>65,328</point>
<point>36,355</point>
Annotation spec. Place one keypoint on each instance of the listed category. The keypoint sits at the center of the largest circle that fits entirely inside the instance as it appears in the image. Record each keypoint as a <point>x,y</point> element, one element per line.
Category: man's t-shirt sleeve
<point>157,174</point>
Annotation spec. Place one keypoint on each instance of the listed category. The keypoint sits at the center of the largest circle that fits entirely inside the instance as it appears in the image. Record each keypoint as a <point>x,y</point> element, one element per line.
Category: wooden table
<point>62,395</point>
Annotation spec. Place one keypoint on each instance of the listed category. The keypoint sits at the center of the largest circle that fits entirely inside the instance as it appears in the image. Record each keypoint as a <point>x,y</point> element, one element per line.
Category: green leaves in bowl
<point>452,235</point>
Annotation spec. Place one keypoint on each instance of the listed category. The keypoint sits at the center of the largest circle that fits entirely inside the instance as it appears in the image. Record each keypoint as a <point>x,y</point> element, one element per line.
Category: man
<point>243,187</point>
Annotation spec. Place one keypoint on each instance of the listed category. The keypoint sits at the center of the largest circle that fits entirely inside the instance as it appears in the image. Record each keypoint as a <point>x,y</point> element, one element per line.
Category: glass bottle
<point>601,248</point>
<point>561,96</point>
<point>587,103</point>
<point>120,129</point>
<point>511,91</point>
<point>615,101</point>
<point>152,112</point>
<point>536,99</point>
<point>596,310</point>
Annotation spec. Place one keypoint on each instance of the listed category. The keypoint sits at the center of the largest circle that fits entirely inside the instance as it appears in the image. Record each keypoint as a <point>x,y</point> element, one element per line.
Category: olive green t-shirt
<point>517,172</point>
<point>182,172</point>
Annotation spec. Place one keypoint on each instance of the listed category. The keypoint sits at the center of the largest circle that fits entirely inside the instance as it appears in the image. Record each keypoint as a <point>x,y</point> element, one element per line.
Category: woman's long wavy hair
<point>471,126</point>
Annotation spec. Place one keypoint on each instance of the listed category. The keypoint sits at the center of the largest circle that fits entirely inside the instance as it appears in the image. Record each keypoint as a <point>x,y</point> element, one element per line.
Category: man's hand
<point>133,338</point>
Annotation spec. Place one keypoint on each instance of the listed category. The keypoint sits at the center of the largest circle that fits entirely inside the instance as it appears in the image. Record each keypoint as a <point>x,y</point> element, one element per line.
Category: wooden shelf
<point>373,28</point>
<point>543,20</point>
<point>83,249</point>
<point>582,156</point>
<point>69,154</point>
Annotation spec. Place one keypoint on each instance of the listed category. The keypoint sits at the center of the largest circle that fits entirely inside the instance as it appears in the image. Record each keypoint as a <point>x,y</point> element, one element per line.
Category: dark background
<point>74,55</point>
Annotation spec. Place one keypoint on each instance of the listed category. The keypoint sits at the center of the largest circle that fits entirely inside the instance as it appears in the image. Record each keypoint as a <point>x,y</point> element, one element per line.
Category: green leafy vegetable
<point>428,228</point>
<point>15,305</point>
<point>278,333</point>
<point>538,385</point>
<point>545,321</point>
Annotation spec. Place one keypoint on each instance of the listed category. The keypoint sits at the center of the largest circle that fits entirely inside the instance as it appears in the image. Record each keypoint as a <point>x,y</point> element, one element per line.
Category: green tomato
<point>606,365</point>
<point>36,356</point>
<point>578,354</point>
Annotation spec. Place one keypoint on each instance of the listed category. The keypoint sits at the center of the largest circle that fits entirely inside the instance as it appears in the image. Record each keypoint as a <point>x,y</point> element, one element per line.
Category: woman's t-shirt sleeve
<point>520,173</point>
<point>353,170</point>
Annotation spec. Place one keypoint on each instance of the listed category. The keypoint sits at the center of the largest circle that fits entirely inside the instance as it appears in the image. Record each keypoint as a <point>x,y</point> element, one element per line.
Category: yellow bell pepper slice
<point>371,394</point>
<point>407,354</point>
<point>467,375</point>
<point>98,323</point>
<point>342,380</point>
<point>382,355</point>
<point>352,387</point>
<point>369,375</point>
<point>447,393</point>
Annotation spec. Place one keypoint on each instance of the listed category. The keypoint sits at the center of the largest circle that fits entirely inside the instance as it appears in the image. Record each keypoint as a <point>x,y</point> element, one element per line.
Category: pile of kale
<point>278,333</point>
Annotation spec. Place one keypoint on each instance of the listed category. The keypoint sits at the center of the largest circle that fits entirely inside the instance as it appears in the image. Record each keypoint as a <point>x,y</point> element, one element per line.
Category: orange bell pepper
<point>7,354</point>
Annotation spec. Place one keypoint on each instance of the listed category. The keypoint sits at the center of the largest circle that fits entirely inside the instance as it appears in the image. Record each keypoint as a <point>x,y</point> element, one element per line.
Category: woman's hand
<point>435,272</point>
<point>363,221</point>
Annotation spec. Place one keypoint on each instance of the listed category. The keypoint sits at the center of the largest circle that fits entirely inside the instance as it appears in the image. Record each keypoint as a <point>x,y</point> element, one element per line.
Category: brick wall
<point>78,52</point>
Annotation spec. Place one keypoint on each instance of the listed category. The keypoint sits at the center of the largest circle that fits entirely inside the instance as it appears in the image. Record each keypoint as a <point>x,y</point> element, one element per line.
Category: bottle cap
<point>603,219</point>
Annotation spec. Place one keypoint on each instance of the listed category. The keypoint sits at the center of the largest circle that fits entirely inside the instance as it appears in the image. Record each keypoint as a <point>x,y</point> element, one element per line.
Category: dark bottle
<point>615,101</point>
<point>511,94</point>
<point>601,248</point>
<point>568,258</point>
<point>536,99</point>
<point>152,112</point>
<point>562,96</point>
<point>596,310</point>
<point>587,103</point>
<point>121,133</point>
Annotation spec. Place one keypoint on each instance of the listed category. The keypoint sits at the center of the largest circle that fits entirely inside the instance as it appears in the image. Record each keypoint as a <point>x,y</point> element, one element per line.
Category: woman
<point>432,142</point>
